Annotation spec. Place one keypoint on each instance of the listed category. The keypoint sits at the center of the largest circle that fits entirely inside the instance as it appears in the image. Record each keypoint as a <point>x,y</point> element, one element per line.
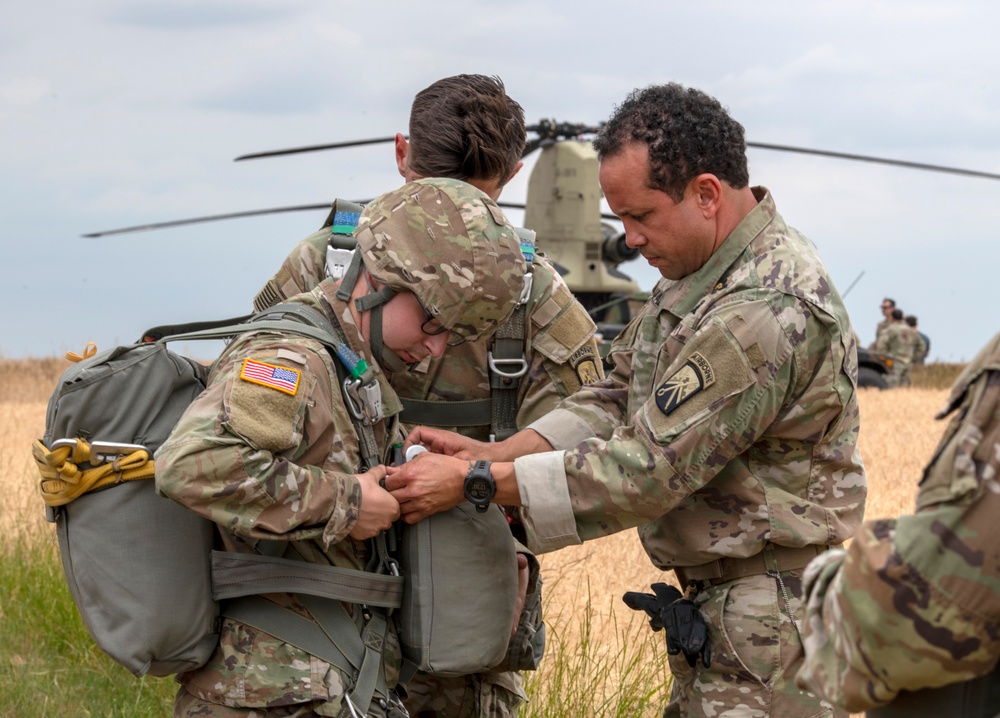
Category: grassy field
<point>602,660</point>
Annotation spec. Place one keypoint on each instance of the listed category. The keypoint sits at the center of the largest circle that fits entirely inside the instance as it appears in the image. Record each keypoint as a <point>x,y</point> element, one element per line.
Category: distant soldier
<point>923,343</point>
<point>909,615</point>
<point>897,340</point>
<point>887,306</point>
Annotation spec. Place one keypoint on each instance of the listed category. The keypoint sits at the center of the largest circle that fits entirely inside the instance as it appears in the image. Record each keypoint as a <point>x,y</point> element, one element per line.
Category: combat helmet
<point>450,245</point>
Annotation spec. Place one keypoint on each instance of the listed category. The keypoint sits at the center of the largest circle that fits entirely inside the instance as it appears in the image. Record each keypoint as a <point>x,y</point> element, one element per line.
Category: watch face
<point>477,489</point>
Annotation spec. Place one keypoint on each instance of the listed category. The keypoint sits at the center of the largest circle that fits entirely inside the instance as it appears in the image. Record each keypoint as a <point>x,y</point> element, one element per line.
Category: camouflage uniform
<point>290,478</point>
<point>729,423</point>
<point>898,341</point>
<point>915,601</point>
<point>562,355</point>
<point>267,464</point>
<point>561,350</point>
<point>880,329</point>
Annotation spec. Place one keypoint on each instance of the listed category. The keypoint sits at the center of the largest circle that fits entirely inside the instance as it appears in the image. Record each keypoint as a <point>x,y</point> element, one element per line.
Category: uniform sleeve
<point>707,407</point>
<point>259,451</point>
<point>564,354</point>
<point>915,602</point>
<point>302,270</point>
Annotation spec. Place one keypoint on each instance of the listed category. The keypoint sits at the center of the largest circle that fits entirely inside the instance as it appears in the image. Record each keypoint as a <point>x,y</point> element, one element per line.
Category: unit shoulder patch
<point>280,378</point>
<point>585,363</point>
<point>695,375</point>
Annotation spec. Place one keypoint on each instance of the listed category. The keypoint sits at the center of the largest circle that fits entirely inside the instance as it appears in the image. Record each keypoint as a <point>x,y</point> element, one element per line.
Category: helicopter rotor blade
<point>315,148</point>
<point>875,160</point>
<point>521,205</point>
<point>209,218</point>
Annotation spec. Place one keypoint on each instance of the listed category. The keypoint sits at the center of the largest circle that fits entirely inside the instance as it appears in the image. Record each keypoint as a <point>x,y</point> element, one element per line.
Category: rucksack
<point>139,566</point>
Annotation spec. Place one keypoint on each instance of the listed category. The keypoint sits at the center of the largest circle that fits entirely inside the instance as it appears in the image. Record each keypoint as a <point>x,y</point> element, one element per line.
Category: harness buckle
<point>495,364</point>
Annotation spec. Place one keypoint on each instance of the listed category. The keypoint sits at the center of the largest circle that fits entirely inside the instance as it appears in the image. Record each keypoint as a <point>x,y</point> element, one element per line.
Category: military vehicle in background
<point>563,207</point>
<point>873,368</point>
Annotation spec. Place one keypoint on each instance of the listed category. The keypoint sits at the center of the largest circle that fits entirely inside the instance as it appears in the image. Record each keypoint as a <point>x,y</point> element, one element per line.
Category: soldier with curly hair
<point>726,430</point>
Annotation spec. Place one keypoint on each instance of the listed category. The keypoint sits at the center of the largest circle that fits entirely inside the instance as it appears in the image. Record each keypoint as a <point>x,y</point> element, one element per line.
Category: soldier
<point>887,306</point>
<point>898,341</point>
<point>270,451</point>
<point>466,127</point>
<point>922,344</point>
<point>727,427</point>
<point>914,603</point>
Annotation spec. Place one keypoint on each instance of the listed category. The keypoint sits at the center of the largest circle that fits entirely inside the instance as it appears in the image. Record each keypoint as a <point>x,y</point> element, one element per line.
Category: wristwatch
<point>479,485</point>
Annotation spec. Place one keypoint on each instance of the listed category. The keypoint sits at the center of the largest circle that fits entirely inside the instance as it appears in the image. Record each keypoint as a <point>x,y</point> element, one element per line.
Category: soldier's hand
<point>378,507</point>
<point>439,441</point>
<point>427,484</point>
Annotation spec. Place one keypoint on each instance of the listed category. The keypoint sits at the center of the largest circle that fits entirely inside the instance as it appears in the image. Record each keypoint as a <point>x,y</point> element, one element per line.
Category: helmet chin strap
<point>373,302</point>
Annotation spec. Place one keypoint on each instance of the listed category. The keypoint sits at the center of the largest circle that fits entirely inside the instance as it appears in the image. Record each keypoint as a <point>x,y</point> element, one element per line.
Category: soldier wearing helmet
<point>279,450</point>
<point>466,127</point>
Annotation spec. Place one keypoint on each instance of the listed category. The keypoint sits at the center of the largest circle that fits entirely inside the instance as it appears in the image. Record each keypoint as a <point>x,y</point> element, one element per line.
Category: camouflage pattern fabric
<point>879,329</point>
<point>470,270</point>
<point>265,464</point>
<point>915,602</point>
<point>562,355</point>
<point>899,342</point>
<point>730,420</point>
<point>561,350</point>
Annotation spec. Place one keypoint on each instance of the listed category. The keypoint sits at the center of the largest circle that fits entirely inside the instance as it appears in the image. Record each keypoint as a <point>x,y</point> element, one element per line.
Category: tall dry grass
<point>605,646</point>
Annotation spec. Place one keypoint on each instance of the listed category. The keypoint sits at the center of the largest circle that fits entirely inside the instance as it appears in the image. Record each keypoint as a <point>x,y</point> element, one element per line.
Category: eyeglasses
<point>432,325</point>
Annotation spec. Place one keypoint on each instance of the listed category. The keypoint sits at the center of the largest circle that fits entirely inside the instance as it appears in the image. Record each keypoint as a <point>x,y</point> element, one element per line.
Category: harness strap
<point>507,367</point>
<point>242,574</point>
<point>165,330</point>
<point>473,412</point>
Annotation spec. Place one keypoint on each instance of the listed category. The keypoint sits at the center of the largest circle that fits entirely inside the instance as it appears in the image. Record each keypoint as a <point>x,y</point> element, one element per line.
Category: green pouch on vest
<point>460,591</point>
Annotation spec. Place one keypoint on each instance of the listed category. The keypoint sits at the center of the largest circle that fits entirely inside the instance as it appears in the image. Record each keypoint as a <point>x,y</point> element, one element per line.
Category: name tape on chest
<point>695,375</point>
<point>272,376</point>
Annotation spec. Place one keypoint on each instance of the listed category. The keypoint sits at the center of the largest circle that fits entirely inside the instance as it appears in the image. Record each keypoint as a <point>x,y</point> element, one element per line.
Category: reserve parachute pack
<point>142,569</point>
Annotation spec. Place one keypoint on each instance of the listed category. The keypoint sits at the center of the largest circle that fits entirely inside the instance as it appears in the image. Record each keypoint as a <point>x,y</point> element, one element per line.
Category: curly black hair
<point>687,131</point>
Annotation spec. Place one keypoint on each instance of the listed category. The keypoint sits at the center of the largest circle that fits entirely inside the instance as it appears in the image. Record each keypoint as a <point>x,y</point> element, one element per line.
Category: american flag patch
<point>276,377</point>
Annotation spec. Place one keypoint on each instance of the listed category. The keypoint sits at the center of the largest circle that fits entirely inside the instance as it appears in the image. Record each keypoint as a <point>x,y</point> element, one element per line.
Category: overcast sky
<point>116,113</point>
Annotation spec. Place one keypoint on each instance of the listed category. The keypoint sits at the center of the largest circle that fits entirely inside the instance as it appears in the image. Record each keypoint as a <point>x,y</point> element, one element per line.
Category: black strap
<point>474,412</point>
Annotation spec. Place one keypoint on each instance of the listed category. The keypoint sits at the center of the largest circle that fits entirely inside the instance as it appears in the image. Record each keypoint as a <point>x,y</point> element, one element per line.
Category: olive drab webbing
<point>506,366</point>
<point>341,222</point>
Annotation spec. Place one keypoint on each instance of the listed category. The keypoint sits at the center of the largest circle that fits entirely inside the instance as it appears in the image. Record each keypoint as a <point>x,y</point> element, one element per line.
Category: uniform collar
<point>682,295</point>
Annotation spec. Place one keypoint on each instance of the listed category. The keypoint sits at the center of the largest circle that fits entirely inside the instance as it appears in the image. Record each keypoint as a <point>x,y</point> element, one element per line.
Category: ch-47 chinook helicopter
<point>563,207</point>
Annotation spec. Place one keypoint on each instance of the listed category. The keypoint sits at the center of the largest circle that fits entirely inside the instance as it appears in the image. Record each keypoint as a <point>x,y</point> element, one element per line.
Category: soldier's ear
<point>402,152</point>
<point>707,190</point>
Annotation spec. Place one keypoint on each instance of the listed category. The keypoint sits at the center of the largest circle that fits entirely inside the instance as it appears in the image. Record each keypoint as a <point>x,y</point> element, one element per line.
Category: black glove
<point>686,629</point>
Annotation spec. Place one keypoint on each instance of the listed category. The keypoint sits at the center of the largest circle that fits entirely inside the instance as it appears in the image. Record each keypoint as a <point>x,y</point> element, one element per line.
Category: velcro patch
<point>695,375</point>
<point>271,375</point>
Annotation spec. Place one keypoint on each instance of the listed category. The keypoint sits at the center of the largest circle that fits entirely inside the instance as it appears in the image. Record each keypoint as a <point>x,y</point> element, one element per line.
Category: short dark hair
<point>891,302</point>
<point>466,127</point>
<point>687,132</point>
<point>911,320</point>
<point>897,314</point>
